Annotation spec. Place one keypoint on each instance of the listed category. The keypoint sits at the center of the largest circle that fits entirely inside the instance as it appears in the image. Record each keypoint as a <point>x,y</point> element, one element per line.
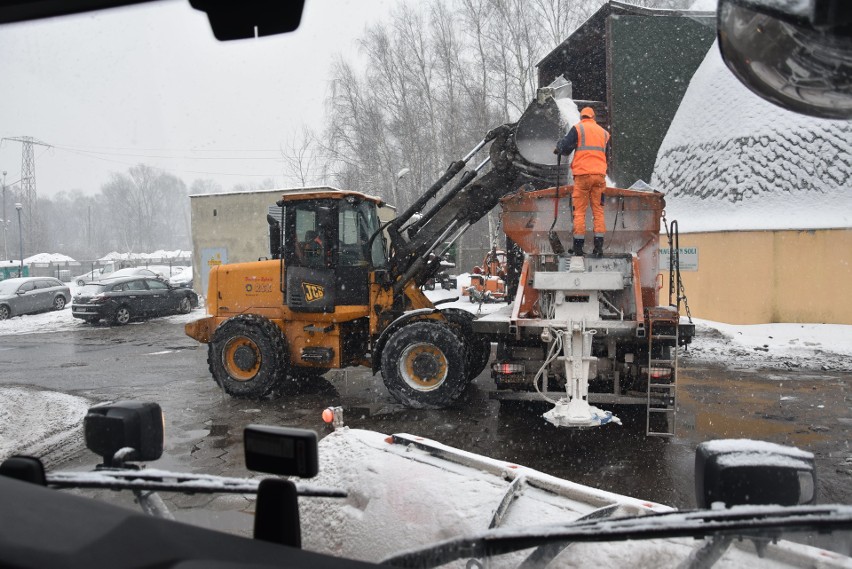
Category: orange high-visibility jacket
<point>590,154</point>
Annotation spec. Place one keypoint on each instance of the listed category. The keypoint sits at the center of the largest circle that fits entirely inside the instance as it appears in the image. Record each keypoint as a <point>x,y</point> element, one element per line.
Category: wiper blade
<point>738,521</point>
<point>153,480</point>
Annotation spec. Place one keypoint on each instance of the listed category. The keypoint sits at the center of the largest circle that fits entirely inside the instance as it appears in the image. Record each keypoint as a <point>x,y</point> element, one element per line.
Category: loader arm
<point>520,155</point>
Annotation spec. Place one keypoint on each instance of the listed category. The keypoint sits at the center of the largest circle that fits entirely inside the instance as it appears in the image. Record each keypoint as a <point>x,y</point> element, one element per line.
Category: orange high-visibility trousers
<point>588,188</point>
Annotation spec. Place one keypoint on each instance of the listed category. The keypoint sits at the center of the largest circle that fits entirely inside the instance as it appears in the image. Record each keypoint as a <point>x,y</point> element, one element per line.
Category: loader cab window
<point>314,234</point>
<point>358,221</point>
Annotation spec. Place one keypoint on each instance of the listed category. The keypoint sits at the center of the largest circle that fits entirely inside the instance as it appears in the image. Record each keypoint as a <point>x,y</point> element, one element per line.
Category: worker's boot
<point>578,247</point>
<point>597,252</point>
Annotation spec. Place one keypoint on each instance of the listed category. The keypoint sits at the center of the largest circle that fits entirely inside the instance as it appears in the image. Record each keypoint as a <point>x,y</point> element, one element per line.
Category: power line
<point>172,170</point>
<point>113,149</point>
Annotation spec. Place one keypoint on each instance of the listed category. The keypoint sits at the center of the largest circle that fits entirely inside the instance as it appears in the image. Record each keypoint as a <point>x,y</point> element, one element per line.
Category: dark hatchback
<point>121,299</point>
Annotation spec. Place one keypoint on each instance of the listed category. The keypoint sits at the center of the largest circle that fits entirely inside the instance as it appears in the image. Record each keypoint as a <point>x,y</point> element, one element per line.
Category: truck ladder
<point>662,332</point>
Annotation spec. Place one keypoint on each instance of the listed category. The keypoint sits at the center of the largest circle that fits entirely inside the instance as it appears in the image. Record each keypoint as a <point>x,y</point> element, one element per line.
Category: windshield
<point>93,289</point>
<point>9,287</point>
<point>557,234</point>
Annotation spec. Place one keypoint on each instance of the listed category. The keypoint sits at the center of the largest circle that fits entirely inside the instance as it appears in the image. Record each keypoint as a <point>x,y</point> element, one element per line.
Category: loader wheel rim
<point>241,358</point>
<point>423,366</point>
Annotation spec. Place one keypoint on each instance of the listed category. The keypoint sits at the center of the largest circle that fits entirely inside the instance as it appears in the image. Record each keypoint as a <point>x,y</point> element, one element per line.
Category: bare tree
<point>204,186</point>
<point>265,184</point>
<point>300,153</point>
<point>147,207</point>
<point>434,79</point>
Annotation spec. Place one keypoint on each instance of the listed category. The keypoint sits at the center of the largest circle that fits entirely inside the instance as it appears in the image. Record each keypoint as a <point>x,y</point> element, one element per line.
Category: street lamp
<point>399,176</point>
<point>5,221</point>
<point>19,207</point>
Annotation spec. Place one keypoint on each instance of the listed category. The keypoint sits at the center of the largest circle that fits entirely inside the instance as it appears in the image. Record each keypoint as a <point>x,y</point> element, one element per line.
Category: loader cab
<point>327,253</point>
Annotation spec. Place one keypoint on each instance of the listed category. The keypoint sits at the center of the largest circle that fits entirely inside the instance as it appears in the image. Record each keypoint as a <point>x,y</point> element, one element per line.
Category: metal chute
<point>542,124</point>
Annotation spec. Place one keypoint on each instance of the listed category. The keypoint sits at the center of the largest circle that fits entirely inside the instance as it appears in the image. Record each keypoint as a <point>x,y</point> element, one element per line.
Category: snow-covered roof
<point>48,258</point>
<point>157,255</point>
<point>732,161</point>
<point>271,191</point>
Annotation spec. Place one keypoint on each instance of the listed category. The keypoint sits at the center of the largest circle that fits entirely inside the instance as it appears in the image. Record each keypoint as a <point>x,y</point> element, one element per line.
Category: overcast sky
<point>151,84</point>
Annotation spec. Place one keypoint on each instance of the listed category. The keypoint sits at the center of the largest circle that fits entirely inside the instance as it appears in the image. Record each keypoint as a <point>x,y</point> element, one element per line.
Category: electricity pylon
<point>28,186</point>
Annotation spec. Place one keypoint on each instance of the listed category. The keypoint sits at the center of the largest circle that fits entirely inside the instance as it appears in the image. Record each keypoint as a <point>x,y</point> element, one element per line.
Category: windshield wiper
<point>760,521</point>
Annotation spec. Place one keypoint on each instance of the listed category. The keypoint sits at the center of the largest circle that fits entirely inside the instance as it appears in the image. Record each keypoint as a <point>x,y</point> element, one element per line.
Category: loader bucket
<point>541,125</point>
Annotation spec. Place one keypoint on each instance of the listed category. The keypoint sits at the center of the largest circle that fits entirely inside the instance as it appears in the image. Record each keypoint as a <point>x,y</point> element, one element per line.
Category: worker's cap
<point>587,112</point>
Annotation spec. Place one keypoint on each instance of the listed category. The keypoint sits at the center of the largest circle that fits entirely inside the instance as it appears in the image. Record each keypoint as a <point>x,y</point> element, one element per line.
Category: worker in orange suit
<point>590,144</point>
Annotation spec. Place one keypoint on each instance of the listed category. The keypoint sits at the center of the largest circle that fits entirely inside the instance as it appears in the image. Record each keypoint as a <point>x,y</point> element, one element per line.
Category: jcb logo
<point>313,292</point>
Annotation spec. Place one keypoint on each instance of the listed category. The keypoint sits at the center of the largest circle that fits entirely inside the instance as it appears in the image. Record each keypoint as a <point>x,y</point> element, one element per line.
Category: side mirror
<point>25,468</point>
<point>281,450</point>
<point>125,424</point>
<point>797,55</point>
<point>741,471</point>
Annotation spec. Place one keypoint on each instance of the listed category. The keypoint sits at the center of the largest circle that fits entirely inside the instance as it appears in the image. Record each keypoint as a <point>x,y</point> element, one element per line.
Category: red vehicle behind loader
<point>488,282</point>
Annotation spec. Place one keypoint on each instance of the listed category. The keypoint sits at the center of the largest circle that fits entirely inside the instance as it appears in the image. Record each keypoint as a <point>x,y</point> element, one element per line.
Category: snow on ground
<point>45,424</point>
<point>826,347</point>
<point>63,321</point>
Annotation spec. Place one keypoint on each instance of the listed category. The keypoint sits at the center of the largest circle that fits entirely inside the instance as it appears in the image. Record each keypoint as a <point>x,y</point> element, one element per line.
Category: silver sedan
<point>28,295</point>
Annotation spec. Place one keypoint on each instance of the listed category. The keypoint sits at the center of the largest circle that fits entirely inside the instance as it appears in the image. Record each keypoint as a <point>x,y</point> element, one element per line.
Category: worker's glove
<point>556,151</point>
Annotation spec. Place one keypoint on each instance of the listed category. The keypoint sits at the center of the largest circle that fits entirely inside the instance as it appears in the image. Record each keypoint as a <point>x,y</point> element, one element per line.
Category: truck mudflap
<point>685,332</point>
<point>201,330</point>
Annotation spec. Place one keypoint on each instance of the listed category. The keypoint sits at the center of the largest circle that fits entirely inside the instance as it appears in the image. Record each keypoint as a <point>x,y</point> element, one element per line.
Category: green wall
<point>651,61</point>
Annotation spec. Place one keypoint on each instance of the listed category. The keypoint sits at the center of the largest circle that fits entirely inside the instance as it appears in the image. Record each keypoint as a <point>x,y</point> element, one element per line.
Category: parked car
<point>183,278</point>
<point>133,272</point>
<point>93,275</point>
<point>29,295</point>
<point>120,299</point>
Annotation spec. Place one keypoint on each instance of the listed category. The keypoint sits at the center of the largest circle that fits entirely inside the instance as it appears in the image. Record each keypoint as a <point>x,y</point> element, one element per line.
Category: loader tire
<point>478,347</point>
<point>424,366</point>
<point>247,355</point>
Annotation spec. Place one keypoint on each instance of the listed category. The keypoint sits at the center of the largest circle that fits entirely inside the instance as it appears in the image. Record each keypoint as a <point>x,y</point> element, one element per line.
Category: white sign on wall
<point>688,258</point>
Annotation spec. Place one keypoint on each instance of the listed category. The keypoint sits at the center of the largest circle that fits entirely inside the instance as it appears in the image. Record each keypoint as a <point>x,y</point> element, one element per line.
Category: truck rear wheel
<point>424,365</point>
<point>478,347</point>
<point>247,355</point>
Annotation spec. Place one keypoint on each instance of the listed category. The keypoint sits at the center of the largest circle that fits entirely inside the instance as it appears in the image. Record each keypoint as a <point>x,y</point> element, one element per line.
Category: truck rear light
<point>658,372</point>
<point>506,370</point>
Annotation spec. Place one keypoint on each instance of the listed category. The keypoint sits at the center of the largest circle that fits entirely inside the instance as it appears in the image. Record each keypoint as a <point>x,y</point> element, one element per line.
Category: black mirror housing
<point>741,471</point>
<point>109,428</point>
<point>281,450</point>
<point>795,55</point>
